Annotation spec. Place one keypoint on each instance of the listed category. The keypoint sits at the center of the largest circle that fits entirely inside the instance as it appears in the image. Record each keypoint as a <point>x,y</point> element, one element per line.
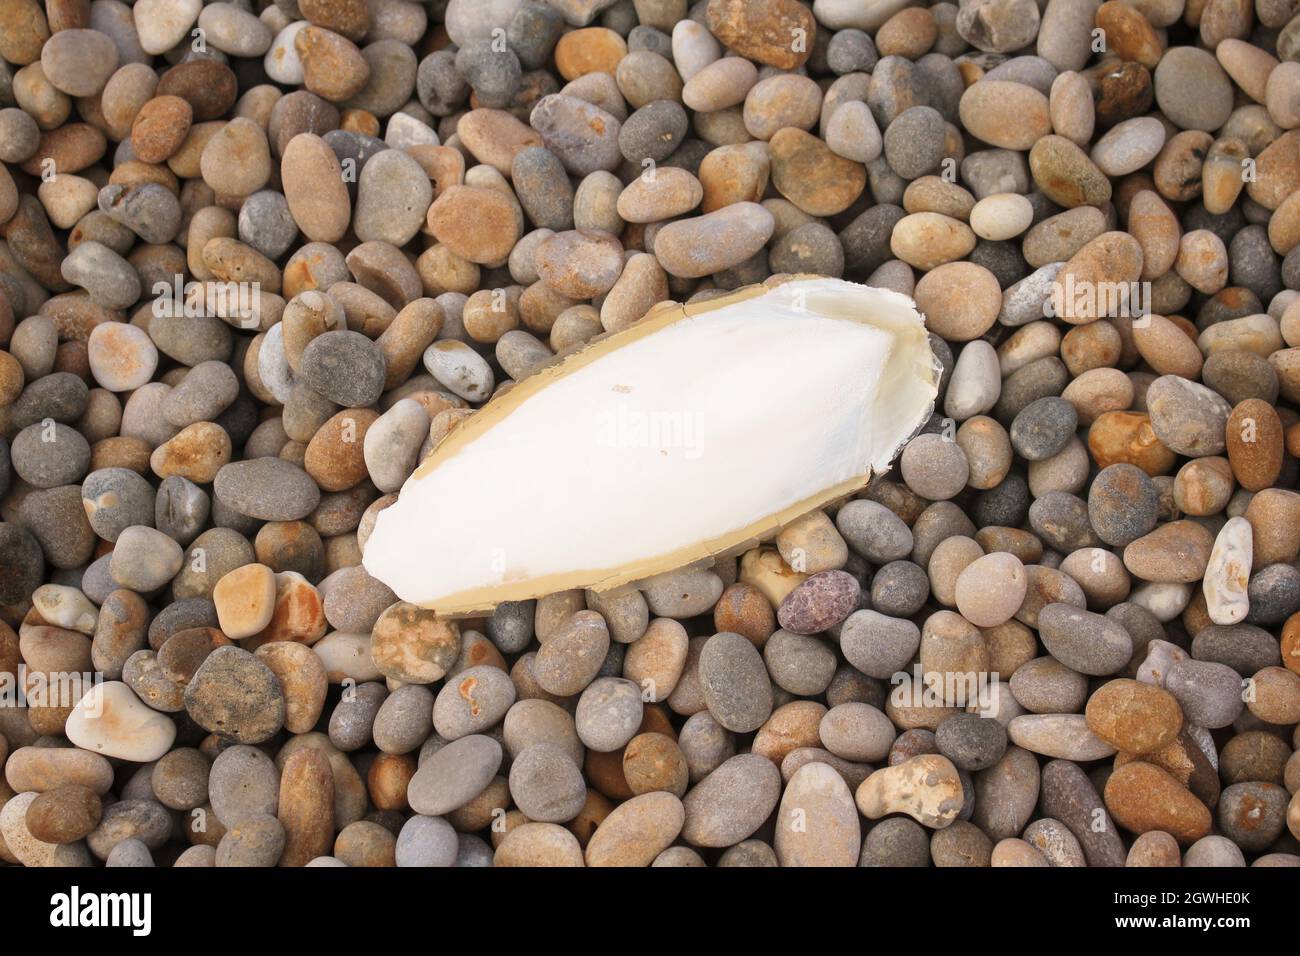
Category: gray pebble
<point>878,645</point>
<point>900,589</point>
<point>206,391</point>
<point>547,785</point>
<point>427,841</point>
<point>1274,594</point>
<point>1043,428</point>
<point>609,713</point>
<point>1209,693</point>
<point>493,73</point>
<point>971,742</point>
<point>269,489</point>
<point>734,682</point>
<point>851,51</point>
<point>470,703</point>
<point>266,224</point>
<point>653,132</point>
<point>354,599</point>
<point>181,509</point>
<point>352,721</point>
<point>584,136</point>
<point>144,559</point>
<point>1083,641</point>
<point>115,499</point>
<point>799,664</point>
<point>130,853</point>
<point>243,782</point>
<point>914,141</point>
<point>345,367</point>
<point>543,188</point>
<point>454,775</point>
<point>404,720</point>
<point>1253,814</point>
<point>896,841</point>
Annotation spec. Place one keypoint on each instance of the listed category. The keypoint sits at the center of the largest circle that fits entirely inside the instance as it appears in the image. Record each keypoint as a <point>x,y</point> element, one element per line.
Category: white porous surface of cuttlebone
<point>700,430</point>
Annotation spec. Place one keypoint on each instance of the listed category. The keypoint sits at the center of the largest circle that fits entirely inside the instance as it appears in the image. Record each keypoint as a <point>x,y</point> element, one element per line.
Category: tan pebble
<point>1125,436</point>
<point>333,67</point>
<point>1001,216</point>
<point>1282,94</point>
<point>1071,109</point>
<point>1129,34</point>
<point>245,600</point>
<point>925,240</point>
<point>589,50</point>
<point>1134,717</point>
<point>1284,225</point>
<point>950,558</point>
<point>298,616</point>
<point>478,224</point>
<point>1204,486</point>
<point>1277,171</point>
<point>960,300</point>
<point>1249,66</point>
<point>926,788</point>
<point>733,173</point>
<point>1203,261</point>
<point>196,452</point>
<point>991,589</point>
<point>1101,273</point>
<point>1142,797</point>
<point>1221,176</point>
<point>1153,224</point>
<point>1177,170</point>
<point>812,544</point>
<point>806,172</point>
<point>722,83</point>
<point>1166,347</point>
<point>539,844</point>
<point>779,101</point>
<point>1255,445</point>
<point>669,193</point>
<point>1066,174</point>
<point>1004,114</point>
<point>493,137</point>
<point>1274,516</point>
<point>934,194</point>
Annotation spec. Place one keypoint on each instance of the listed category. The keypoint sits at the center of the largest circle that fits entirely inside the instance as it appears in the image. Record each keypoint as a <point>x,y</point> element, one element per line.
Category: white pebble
<point>112,721</point>
<point>1228,572</point>
<point>459,368</point>
<point>65,607</point>
<point>976,382</point>
<point>1001,216</point>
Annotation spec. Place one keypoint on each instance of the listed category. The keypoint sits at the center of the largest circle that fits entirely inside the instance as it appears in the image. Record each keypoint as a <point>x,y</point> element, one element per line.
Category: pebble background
<point>1101,522</point>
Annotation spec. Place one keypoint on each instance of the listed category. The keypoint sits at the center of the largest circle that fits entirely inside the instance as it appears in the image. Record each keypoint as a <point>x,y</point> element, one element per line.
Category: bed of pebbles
<point>1086,564</point>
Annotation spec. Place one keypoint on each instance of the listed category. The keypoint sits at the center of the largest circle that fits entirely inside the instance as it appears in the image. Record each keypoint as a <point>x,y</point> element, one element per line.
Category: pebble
<point>1192,90</point>
<point>926,788</point>
<point>636,831</point>
<point>269,489</point>
<point>703,245</point>
<point>236,696</point>
<point>732,802</point>
<point>1143,797</point>
<point>453,775</point>
<point>111,720</point>
<point>1134,717</point>
<point>934,467</point>
<point>1188,418</point>
<point>734,682</point>
<point>609,714</point>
